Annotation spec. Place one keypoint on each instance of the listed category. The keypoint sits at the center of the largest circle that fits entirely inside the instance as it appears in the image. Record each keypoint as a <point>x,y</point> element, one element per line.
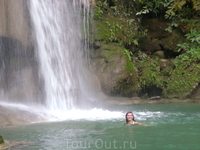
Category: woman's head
<point>129,116</point>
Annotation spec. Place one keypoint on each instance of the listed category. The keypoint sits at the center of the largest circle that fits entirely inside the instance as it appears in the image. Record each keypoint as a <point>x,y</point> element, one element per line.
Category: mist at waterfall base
<point>60,32</point>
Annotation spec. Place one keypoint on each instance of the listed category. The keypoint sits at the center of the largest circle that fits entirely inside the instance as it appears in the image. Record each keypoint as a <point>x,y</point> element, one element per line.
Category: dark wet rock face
<point>158,41</point>
<point>19,71</point>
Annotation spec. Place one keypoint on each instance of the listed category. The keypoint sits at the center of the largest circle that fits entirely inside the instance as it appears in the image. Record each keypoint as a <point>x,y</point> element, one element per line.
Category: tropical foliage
<point>120,21</point>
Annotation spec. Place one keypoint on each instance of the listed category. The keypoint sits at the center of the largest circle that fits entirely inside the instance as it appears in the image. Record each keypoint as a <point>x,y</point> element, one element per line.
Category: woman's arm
<point>142,124</point>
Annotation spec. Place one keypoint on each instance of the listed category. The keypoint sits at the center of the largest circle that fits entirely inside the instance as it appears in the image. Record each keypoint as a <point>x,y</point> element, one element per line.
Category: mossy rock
<point>128,86</point>
<point>116,30</point>
<point>159,54</point>
<point>112,67</point>
<point>108,51</point>
<point>158,39</point>
<point>175,37</point>
<point>183,80</point>
<point>1,140</point>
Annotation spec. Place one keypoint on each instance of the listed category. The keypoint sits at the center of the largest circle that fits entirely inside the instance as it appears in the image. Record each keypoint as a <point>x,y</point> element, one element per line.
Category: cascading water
<point>58,28</point>
<point>60,35</point>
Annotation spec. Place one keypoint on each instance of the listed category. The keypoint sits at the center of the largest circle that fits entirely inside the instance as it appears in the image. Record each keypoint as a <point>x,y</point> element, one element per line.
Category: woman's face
<point>129,116</point>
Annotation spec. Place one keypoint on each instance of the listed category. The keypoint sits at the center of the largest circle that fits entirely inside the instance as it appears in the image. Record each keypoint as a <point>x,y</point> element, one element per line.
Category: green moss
<point>129,90</point>
<point>130,85</point>
<point>178,82</point>
<point>114,29</point>
<point>110,50</point>
<point>150,73</point>
<point>116,22</point>
<point>183,80</point>
<point>129,66</point>
<point>1,140</point>
<point>111,46</point>
<point>101,33</point>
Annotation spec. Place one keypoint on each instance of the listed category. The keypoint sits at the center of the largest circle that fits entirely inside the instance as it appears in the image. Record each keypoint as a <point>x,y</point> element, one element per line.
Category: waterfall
<point>45,75</point>
<point>60,32</point>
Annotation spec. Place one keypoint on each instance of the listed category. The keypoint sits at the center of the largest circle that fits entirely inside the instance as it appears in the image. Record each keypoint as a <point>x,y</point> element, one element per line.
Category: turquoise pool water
<point>173,127</point>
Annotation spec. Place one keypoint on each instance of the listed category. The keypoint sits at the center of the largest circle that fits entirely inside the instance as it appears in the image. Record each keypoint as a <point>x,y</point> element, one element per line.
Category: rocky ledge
<point>9,144</point>
<point>11,116</point>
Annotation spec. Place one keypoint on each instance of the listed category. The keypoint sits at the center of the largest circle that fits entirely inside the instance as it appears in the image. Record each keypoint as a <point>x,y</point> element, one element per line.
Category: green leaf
<point>135,42</point>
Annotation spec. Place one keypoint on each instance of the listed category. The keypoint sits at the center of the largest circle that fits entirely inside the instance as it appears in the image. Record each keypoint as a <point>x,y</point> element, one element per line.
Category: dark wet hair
<point>127,114</point>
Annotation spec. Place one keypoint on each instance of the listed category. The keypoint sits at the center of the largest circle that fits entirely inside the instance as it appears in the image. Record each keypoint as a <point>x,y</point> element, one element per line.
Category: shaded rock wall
<point>109,63</point>
<point>160,40</point>
<point>18,68</point>
<point>14,20</point>
<point>196,93</point>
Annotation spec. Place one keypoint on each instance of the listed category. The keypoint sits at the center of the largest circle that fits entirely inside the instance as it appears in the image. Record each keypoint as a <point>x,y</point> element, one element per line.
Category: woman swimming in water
<point>130,119</point>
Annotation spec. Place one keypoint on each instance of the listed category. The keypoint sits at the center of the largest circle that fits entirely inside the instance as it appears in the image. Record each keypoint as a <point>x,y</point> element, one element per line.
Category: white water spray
<point>58,28</point>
